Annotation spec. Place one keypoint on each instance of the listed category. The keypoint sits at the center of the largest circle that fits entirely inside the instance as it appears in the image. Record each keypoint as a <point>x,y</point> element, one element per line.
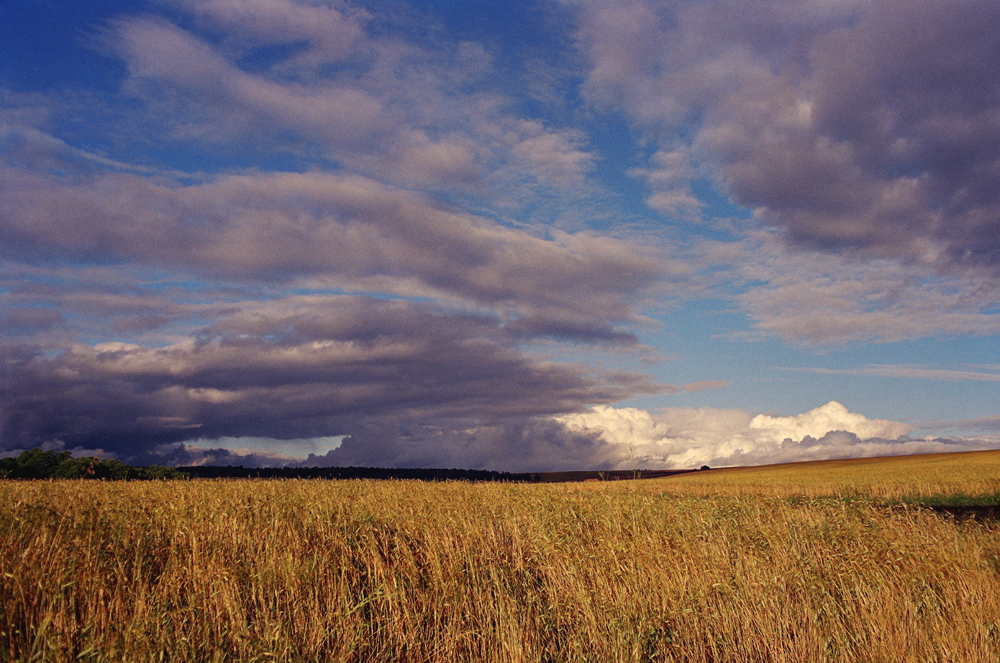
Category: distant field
<point>809,562</point>
<point>975,473</point>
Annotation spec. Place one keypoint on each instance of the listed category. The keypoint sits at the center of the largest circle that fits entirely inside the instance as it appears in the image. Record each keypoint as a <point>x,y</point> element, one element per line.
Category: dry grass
<point>664,570</point>
<point>895,478</point>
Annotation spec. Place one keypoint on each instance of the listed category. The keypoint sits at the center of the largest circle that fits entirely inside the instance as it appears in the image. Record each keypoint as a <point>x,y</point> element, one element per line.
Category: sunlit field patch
<point>911,478</point>
<point>815,562</point>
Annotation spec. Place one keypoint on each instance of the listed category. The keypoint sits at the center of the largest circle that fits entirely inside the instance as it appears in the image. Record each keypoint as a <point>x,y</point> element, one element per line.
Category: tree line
<point>421,474</point>
<point>39,464</point>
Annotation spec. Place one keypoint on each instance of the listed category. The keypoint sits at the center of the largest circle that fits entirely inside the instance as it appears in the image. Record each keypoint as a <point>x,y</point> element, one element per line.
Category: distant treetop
<point>39,464</point>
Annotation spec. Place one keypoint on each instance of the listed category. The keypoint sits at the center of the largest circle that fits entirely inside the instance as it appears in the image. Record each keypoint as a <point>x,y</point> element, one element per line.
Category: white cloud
<point>339,114</point>
<point>818,422</point>
<point>553,157</point>
<point>329,33</point>
<point>689,437</point>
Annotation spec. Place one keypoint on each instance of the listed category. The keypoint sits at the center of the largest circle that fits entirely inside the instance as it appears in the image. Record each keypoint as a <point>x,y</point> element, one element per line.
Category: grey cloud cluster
<point>973,373</point>
<point>292,369</point>
<point>871,126</point>
<point>336,230</point>
<point>816,298</point>
<point>988,425</point>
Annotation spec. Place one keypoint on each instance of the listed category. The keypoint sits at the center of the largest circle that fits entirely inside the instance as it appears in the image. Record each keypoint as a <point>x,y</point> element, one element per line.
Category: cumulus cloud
<point>830,417</point>
<point>688,438</point>
<point>859,126</point>
<point>553,157</point>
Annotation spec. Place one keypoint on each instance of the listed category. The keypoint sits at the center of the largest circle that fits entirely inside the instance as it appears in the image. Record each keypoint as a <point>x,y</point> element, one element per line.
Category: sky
<point>517,236</point>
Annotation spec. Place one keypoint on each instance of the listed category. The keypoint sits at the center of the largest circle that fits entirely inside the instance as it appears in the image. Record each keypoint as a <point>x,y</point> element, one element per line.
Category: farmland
<point>813,562</point>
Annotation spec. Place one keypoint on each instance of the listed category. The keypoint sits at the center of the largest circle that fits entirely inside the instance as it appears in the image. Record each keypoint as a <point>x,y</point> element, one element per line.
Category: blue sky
<point>524,235</point>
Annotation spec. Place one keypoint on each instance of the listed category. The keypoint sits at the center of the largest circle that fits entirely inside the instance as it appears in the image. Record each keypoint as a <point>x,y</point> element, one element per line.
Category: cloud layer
<point>304,220</point>
<point>339,231</point>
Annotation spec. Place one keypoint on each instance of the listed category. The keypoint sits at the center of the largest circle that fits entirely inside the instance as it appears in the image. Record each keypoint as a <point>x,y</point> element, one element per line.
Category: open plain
<point>833,561</point>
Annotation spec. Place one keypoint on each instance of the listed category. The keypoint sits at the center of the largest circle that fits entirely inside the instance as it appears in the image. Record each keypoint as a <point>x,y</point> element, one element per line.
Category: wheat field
<point>791,563</point>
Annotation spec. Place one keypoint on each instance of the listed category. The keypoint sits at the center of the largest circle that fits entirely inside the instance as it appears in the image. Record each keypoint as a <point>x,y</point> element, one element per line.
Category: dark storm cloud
<point>181,455</point>
<point>871,126</point>
<point>517,445</point>
<point>293,369</point>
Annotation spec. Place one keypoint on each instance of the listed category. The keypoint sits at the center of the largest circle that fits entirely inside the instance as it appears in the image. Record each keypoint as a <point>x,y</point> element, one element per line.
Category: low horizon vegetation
<point>826,562</point>
<point>48,464</point>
